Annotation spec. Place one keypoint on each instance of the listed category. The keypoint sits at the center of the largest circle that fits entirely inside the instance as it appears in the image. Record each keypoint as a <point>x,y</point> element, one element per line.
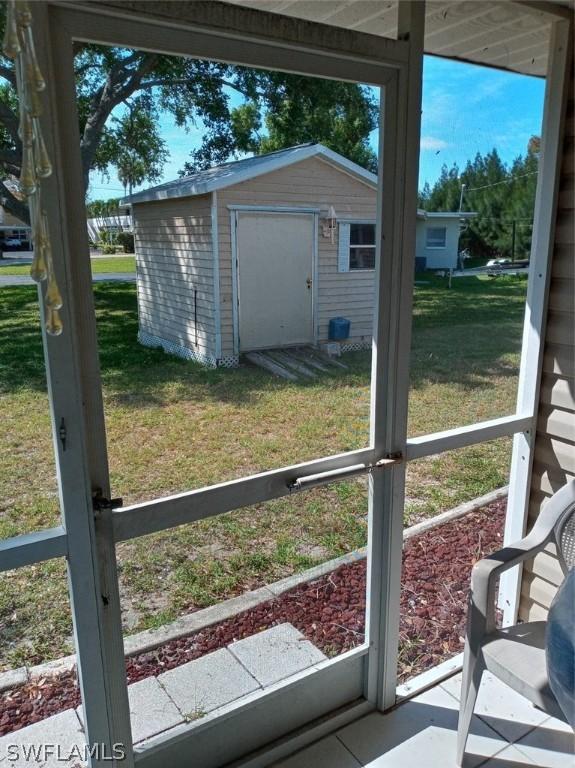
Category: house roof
<point>228,174</point>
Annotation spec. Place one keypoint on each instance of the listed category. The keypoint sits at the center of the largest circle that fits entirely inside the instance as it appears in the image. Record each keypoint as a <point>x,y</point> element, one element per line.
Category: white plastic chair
<point>516,654</point>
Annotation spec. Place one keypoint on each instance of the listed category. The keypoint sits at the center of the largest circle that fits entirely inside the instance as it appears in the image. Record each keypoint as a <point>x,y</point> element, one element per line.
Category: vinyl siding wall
<point>9,220</point>
<point>310,183</point>
<point>438,258</point>
<point>173,243</point>
<point>554,462</point>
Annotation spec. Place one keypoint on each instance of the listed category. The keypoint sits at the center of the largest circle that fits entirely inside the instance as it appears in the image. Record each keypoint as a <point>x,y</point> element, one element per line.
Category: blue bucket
<point>339,328</point>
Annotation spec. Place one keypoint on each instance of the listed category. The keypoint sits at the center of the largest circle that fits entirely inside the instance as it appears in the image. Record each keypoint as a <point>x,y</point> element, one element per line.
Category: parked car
<point>12,244</point>
<point>498,262</point>
<point>497,267</point>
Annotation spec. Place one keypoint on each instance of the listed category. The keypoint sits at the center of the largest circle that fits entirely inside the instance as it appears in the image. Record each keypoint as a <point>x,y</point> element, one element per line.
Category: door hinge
<point>100,502</point>
<point>63,433</point>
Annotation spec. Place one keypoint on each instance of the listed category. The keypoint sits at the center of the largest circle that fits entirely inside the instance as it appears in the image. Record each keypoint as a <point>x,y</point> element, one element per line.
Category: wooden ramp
<point>294,363</point>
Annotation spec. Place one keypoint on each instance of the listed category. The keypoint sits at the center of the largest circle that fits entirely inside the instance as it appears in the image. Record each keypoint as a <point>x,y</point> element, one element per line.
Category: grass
<point>99,265</point>
<point>173,425</point>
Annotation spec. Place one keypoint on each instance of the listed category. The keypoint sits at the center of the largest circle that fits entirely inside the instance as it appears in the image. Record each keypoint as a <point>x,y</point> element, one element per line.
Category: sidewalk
<point>10,280</point>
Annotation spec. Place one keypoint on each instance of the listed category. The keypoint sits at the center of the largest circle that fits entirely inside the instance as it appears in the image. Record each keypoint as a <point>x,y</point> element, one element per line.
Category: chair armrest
<point>481,611</point>
<point>486,571</point>
<point>507,557</point>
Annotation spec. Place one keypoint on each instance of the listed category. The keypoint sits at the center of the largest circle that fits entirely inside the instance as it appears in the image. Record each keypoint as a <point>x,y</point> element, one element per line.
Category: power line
<point>505,181</point>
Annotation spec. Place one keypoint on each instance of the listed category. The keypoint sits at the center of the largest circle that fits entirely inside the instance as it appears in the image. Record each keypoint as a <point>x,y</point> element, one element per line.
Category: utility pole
<point>513,227</point>
<point>460,262</point>
<point>461,197</point>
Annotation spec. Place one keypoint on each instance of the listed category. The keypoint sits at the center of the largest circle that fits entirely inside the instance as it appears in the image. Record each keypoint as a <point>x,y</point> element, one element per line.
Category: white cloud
<point>432,143</point>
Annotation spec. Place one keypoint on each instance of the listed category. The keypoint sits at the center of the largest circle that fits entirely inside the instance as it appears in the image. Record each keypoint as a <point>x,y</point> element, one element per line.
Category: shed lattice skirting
<point>230,361</point>
<point>173,348</point>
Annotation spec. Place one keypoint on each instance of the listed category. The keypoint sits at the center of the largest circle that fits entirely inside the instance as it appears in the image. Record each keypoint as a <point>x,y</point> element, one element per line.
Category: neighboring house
<point>111,224</point>
<point>263,252</point>
<point>13,229</point>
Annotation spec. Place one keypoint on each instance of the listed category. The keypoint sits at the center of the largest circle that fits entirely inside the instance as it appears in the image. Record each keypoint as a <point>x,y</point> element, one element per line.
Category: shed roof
<point>228,174</point>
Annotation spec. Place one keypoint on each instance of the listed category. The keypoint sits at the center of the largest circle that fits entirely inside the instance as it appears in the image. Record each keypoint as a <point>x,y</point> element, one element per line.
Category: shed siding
<point>311,183</point>
<point>554,458</point>
<point>174,259</point>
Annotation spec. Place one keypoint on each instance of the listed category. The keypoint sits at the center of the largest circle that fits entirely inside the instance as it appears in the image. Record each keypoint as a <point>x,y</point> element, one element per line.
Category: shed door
<point>275,270</point>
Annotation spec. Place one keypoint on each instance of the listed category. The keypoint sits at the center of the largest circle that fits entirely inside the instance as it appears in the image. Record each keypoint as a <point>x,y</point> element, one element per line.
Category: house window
<point>435,237</point>
<point>362,246</point>
<point>356,247</point>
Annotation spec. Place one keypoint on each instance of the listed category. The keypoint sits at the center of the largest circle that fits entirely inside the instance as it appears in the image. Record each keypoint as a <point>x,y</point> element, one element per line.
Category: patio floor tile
<point>504,710</point>
<point>551,745</point>
<point>420,732</point>
<point>61,734</point>
<point>151,710</point>
<point>275,654</point>
<point>327,753</point>
<point>510,757</point>
<point>207,683</point>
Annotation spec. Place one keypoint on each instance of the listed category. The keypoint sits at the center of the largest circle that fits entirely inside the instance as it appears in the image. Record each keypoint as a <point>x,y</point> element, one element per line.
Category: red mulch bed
<point>329,611</point>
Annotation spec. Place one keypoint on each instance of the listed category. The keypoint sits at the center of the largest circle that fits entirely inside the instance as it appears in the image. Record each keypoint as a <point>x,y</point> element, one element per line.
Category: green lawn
<point>105,264</point>
<point>174,425</point>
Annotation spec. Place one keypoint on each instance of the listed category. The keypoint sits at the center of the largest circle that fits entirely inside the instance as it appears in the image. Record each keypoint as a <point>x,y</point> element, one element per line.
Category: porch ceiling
<point>497,33</point>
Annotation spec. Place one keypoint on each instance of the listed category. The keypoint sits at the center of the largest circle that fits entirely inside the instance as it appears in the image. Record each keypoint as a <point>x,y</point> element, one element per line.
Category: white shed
<point>262,252</point>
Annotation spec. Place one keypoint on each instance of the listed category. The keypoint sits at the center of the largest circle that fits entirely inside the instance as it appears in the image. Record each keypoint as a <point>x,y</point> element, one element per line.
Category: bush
<point>108,248</point>
<point>126,240</point>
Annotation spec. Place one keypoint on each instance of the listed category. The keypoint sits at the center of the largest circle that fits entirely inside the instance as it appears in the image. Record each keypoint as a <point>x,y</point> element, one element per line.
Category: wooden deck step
<point>324,358</point>
<point>308,359</point>
<point>264,361</point>
<point>286,358</point>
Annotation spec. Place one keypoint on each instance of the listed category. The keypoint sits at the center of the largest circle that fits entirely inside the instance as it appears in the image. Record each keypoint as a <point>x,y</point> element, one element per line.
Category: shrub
<point>126,240</point>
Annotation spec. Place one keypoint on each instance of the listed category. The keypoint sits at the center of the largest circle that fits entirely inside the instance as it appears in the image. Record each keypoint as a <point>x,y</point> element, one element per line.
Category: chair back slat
<point>565,538</point>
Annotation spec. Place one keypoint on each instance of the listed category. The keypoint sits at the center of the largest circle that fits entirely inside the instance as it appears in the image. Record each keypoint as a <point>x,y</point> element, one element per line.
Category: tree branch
<point>17,208</point>
<point>116,89</point>
<point>79,71</point>
<point>185,80</point>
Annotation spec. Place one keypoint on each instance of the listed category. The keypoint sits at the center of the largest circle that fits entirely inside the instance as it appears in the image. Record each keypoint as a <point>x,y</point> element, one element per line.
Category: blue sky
<point>469,109</point>
<point>466,109</point>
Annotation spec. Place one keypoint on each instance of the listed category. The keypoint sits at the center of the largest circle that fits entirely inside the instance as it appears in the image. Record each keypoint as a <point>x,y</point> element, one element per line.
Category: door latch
<point>308,282</point>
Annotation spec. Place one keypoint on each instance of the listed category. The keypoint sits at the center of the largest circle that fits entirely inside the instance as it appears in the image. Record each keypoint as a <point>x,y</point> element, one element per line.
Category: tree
<point>293,109</point>
<point>502,196</point>
<point>141,151</point>
<point>118,87</point>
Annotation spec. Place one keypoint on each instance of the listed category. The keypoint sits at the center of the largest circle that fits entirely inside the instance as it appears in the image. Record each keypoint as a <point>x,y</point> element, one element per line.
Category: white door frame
<point>89,532</point>
<point>306,697</point>
<point>235,212</point>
